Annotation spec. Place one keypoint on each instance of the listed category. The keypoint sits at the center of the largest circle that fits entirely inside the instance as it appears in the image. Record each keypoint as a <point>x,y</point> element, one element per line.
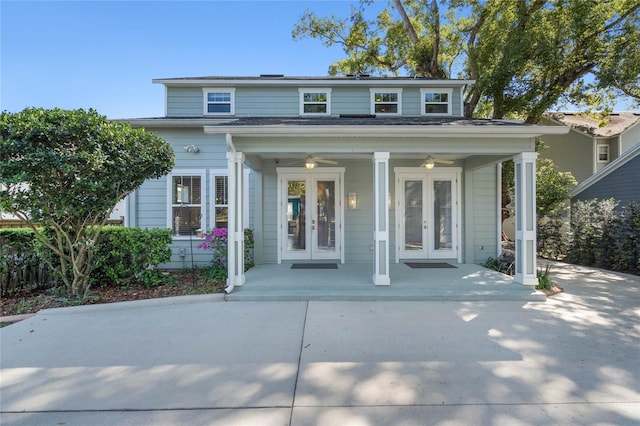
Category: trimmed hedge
<point>126,255</point>
<point>604,237</point>
<point>121,256</point>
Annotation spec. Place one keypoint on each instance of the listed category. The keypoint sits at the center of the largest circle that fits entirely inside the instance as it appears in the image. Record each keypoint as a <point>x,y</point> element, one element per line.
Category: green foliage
<point>66,171</point>
<point>126,255</point>
<point>552,236</point>
<point>217,243</point>
<point>525,56</point>
<point>604,237</point>
<point>21,266</point>
<point>544,279</point>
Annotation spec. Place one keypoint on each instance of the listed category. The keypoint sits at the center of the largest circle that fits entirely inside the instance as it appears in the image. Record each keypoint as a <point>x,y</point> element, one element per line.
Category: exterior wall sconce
<point>390,200</point>
<point>192,149</point>
<point>353,201</point>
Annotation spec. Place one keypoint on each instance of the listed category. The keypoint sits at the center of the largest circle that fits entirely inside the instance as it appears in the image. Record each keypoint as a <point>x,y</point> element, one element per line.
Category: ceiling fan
<point>311,161</point>
<point>430,162</point>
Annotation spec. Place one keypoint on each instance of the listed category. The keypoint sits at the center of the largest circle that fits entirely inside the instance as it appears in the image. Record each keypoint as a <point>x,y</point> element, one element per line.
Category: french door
<point>310,214</point>
<point>427,214</point>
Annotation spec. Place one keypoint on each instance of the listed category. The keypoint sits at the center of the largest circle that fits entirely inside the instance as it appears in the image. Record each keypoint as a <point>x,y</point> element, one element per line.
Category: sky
<point>104,54</point>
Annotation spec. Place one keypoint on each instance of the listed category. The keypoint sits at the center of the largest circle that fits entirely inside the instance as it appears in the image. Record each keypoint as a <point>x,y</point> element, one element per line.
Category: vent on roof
<point>357,116</point>
<point>271,75</point>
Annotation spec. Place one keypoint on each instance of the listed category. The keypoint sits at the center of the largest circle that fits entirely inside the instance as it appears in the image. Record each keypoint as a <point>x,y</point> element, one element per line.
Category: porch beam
<point>235,236</point>
<point>381,218</point>
<point>525,249</point>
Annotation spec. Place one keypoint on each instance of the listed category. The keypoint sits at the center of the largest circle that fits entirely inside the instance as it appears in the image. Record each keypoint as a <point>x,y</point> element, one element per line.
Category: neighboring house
<point>600,155</point>
<point>352,169</point>
<point>619,179</point>
<point>590,145</point>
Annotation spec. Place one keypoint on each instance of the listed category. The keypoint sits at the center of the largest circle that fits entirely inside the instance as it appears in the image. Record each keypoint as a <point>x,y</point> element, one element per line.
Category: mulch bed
<point>180,284</point>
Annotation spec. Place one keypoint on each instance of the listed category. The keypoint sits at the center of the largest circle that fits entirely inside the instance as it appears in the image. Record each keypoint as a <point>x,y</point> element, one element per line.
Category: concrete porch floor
<point>466,282</point>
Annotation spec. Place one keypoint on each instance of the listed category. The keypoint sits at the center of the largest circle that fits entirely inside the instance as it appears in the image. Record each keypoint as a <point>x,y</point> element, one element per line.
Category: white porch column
<point>381,219</point>
<point>235,238</point>
<point>525,176</point>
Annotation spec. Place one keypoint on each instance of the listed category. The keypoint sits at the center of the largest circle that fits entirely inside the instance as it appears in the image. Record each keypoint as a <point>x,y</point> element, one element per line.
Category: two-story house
<point>353,169</point>
<point>604,157</point>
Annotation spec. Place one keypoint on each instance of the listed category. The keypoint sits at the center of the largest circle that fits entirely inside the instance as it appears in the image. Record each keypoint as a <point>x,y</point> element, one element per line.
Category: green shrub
<point>544,280</point>
<point>21,262</point>
<point>125,255</point>
<point>604,237</point>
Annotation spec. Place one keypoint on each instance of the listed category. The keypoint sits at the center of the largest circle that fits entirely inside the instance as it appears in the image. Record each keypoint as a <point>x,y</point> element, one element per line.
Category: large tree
<point>524,55</point>
<point>63,172</point>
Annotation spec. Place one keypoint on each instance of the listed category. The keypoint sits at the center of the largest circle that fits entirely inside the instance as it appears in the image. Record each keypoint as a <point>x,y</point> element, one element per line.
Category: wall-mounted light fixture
<point>192,149</point>
<point>390,200</point>
<point>352,201</point>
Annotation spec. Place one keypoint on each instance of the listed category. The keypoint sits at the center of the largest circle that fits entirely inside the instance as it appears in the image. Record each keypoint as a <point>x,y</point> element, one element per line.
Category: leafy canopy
<point>525,56</point>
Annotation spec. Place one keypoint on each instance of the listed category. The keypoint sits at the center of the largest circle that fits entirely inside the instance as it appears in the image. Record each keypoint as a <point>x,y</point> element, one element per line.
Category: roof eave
<point>503,131</point>
<point>230,82</point>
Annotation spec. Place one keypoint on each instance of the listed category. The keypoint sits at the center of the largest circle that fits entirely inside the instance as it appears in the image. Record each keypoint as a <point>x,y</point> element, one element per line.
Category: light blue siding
<point>285,101</point>
<point>185,102</point>
<point>267,102</point>
<point>481,210</point>
<point>350,100</point>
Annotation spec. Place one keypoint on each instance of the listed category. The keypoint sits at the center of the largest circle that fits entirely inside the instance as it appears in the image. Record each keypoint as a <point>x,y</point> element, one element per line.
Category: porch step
<point>352,282</point>
<point>377,294</point>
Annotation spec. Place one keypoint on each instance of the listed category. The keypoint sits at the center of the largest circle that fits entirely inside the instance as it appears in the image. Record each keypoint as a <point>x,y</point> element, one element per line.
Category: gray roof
<point>615,124</point>
<point>345,120</point>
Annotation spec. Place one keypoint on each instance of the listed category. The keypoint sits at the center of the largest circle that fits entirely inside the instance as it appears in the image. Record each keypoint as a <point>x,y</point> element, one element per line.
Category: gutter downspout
<point>230,159</point>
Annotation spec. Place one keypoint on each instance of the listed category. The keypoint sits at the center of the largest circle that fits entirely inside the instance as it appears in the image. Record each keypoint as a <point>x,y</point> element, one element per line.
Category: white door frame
<point>428,176</point>
<point>311,176</point>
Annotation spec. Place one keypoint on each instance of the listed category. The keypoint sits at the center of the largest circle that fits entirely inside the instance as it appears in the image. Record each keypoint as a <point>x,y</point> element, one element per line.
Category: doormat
<point>429,265</point>
<point>314,266</point>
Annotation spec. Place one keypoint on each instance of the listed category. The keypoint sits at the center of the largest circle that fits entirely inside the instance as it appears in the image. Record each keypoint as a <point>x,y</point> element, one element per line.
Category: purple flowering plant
<point>217,242</point>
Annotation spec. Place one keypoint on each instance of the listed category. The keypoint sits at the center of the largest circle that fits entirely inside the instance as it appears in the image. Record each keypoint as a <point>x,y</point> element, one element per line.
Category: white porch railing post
<point>525,183</point>
<point>235,226</point>
<point>381,219</point>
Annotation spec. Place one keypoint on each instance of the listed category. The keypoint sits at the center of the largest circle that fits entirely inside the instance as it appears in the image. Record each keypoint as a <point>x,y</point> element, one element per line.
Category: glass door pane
<point>326,215</point>
<point>296,215</point>
<point>442,215</point>
<point>413,215</point>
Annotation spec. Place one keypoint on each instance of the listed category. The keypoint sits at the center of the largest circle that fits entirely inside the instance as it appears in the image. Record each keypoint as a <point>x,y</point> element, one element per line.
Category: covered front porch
<point>352,281</point>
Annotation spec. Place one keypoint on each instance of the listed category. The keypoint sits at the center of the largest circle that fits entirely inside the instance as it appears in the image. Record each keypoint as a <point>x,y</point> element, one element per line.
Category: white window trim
<point>449,92</point>
<point>373,92</point>
<point>203,193</point>
<point>230,90</point>
<point>212,202</point>
<point>302,91</point>
<point>598,153</point>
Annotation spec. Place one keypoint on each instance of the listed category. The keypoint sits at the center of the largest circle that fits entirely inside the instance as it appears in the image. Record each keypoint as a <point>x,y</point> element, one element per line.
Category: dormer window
<point>386,101</point>
<point>315,101</point>
<point>436,102</point>
<point>219,101</point>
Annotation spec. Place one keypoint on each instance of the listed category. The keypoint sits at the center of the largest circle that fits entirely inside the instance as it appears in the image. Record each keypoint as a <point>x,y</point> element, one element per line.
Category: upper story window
<point>186,194</point>
<point>219,101</point>
<point>603,153</point>
<point>436,102</point>
<point>386,101</point>
<point>315,101</point>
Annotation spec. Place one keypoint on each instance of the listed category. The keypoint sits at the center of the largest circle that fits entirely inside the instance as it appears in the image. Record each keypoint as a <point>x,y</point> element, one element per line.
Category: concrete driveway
<point>197,361</point>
